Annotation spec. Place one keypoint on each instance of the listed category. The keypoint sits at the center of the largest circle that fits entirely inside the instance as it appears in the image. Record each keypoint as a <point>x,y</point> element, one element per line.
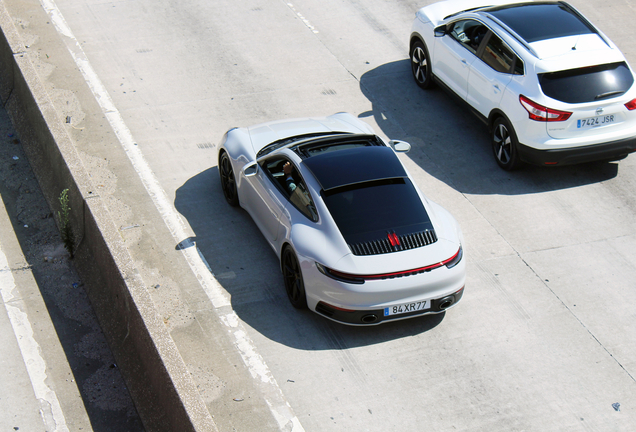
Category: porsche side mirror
<point>250,169</point>
<point>440,31</point>
<point>400,146</point>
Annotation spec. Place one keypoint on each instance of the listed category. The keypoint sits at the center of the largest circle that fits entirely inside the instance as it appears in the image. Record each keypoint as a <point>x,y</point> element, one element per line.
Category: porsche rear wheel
<point>294,284</point>
<point>420,65</point>
<point>228,182</point>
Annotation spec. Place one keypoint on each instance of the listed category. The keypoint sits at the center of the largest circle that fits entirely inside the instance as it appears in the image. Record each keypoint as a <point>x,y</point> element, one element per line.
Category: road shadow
<point>248,269</point>
<point>452,144</point>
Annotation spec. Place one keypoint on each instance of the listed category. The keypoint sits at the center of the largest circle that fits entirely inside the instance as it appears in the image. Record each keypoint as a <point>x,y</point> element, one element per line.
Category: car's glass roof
<point>542,21</point>
<point>354,165</point>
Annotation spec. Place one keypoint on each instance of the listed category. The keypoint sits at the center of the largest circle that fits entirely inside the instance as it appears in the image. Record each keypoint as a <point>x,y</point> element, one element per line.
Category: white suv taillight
<point>540,113</point>
<point>631,105</point>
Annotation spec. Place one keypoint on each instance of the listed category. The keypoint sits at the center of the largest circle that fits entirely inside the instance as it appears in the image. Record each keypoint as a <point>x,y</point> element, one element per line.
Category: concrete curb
<point>156,376</point>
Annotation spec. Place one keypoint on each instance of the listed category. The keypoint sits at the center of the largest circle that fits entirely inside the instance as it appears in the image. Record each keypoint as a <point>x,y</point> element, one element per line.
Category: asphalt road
<point>544,338</point>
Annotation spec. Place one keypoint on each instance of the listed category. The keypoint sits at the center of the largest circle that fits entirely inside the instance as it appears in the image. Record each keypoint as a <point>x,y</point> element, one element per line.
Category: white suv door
<point>455,52</point>
<point>490,75</point>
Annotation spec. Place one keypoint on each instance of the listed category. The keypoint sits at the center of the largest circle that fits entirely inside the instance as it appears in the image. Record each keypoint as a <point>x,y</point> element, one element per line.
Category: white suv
<point>552,88</point>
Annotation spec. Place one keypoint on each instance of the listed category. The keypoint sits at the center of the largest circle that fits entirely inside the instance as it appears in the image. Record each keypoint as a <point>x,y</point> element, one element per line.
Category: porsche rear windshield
<point>369,210</point>
<point>587,84</point>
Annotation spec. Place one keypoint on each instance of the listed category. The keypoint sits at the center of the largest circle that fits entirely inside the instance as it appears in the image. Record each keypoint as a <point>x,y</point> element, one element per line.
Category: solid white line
<point>219,297</point>
<point>50,408</point>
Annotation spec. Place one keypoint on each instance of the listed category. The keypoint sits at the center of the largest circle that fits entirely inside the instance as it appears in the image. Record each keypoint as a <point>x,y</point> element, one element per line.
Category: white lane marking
<point>302,18</point>
<point>274,397</point>
<point>50,408</point>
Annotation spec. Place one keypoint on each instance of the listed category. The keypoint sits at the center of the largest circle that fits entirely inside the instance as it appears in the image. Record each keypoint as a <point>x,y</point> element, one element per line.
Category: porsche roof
<point>355,165</point>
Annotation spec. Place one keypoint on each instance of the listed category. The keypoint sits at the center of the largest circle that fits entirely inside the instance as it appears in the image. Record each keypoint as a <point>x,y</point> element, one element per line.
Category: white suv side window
<point>497,55</point>
<point>469,33</point>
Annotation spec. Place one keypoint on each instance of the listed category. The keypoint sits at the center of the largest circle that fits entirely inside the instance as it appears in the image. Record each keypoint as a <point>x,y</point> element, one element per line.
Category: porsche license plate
<point>595,121</point>
<point>406,308</point>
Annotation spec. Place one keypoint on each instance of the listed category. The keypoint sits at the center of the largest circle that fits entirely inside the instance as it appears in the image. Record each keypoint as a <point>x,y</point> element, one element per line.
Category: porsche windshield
<point>368,210</point>
<point>287,141</point>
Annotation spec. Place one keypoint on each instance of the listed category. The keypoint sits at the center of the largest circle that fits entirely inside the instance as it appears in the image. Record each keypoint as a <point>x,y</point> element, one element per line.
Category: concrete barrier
<point>155,374</point>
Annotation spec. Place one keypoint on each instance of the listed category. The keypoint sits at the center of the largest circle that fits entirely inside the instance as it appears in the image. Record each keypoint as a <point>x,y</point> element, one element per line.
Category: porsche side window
<point>301,199</point>
<point>274,167</point>
<point>497,55</point>
<point>291,184</point>
<point>469,33</point>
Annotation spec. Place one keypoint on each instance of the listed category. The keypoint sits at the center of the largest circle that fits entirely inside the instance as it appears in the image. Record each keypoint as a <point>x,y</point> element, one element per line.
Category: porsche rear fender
<point>311,242</point>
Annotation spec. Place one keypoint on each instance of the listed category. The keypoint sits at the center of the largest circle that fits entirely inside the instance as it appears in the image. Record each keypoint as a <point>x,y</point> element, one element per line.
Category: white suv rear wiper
<point>608,94</point>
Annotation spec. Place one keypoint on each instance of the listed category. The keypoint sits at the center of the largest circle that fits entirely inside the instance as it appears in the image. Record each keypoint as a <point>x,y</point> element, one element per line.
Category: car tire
<point>505,146</point>
<point>293,277</point>
<point>228,181</point>
<point>420,66</point>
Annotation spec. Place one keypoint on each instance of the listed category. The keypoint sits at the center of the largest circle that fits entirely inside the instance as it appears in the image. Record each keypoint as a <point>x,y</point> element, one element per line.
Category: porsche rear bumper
<point>377,316</point>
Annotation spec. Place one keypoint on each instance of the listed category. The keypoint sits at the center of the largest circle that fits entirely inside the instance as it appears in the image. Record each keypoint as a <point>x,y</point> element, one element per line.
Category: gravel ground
<point>107,402</point>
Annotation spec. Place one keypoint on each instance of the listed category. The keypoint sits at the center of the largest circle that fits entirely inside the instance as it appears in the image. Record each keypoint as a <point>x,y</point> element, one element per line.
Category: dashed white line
<point>302,18</point>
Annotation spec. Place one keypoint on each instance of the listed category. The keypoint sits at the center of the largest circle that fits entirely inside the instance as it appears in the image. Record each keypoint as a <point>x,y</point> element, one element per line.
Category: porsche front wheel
<point>294,284</point>
<point>228,182</point>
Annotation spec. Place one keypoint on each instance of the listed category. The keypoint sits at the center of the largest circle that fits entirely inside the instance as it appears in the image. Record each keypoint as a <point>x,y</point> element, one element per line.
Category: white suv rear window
<point>587,84</point>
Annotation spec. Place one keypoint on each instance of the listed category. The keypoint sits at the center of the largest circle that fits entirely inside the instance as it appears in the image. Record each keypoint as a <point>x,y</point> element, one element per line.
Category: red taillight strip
<point>540,113</point>
<point>349,276</point>
<point>402,273</point>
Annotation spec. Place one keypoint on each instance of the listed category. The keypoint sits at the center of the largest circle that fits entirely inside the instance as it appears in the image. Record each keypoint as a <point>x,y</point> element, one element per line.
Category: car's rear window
<point>541,21</point>
<point>369,210</point>
<point>587,84</point>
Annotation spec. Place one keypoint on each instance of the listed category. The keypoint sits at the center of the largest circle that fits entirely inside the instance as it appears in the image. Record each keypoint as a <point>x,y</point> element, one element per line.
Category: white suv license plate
<point>406,308</point>
<point>592,122</point>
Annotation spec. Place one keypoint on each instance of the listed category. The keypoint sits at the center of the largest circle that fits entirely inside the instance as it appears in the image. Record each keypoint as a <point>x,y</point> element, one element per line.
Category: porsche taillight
<point>360,279</point>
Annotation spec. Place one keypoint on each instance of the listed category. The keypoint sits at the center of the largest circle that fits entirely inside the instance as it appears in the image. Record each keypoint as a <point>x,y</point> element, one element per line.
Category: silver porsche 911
<point>357,240</point>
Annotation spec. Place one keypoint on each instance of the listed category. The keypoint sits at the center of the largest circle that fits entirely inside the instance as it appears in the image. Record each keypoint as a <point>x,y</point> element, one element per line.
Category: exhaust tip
<point>446,302</point>
<point>368,319</point>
